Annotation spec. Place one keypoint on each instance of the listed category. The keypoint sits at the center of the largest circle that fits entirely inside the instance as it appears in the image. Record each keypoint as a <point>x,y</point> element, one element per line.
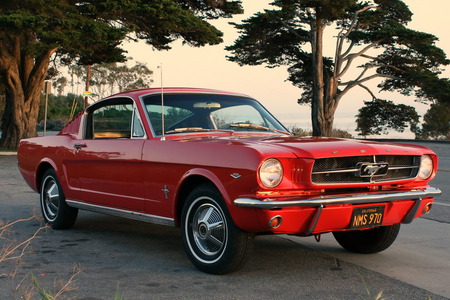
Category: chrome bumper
<point>416,194</point>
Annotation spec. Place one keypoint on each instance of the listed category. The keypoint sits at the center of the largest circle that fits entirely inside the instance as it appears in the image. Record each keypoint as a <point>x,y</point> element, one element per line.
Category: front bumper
<point>325,212</point>
<point>366,198</point>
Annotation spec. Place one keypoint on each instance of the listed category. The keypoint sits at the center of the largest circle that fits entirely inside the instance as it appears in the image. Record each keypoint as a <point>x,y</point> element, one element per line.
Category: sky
<point>207,67</point>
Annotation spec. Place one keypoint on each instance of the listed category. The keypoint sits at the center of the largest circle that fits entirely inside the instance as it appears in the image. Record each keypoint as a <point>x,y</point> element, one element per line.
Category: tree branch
<point>352,26</point>
<point>355,18</point>
<point>363,51</point>
<point>352,84</point>
<point>350,58</point>
<point>368,90</point>
<point>356,82</point>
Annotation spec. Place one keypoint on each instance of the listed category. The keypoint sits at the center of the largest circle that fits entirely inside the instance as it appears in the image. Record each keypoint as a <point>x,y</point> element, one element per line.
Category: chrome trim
<point>363,198</point>
<point>356,170</point>
<point>122,213</point>
<point>336,171</point>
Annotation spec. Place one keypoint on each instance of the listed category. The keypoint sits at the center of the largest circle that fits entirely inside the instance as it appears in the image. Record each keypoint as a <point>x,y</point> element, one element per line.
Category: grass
<point>13,252</point>
<point>68,286</point>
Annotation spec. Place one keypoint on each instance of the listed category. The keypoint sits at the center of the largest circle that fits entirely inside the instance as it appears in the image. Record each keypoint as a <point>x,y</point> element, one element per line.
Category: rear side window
<point>112,121</point>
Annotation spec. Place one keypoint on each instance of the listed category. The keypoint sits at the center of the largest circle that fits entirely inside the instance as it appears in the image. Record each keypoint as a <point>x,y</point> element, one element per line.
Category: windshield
<point>206,112</point>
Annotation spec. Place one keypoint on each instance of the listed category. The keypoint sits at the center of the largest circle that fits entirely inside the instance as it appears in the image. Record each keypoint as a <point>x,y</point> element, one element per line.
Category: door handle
<point>78,146</point>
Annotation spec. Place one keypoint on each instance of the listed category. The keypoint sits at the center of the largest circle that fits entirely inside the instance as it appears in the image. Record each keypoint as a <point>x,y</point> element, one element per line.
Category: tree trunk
<point>322,123</point>
<point>25,77</point>
<point>317,93</point>
<point>12,128</point>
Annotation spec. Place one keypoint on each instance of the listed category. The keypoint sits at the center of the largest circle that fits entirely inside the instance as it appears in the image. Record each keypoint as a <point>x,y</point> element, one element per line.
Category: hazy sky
<point>207,67</point>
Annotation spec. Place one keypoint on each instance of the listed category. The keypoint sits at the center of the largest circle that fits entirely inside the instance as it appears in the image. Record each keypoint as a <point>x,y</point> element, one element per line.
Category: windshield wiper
<point>198,129</point>
<point>241,125</point>
<point>258,127</point>
<point>188,129</point>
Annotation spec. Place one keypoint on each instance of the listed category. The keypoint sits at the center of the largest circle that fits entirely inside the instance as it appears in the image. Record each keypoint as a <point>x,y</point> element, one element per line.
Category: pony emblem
<point>371,169</point>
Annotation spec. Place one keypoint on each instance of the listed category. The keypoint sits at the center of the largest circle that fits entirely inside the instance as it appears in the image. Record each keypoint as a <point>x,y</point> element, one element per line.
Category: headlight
<point>426,167</point>
<point>271,173</point>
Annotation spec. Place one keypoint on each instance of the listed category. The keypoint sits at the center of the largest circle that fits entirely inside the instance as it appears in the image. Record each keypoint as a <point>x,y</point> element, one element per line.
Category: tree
<point>90,31</point>
<point>2,98</point>
<point>60,84</point>
<point>379,116</point>
<point>60,110</point>
<point>372,44</point>
<point>110,78</point>
<point>436,122</point>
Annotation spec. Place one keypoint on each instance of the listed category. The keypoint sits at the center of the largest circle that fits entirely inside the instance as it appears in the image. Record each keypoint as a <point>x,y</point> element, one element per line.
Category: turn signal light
<point>275,222</point>
<point>427,208</point>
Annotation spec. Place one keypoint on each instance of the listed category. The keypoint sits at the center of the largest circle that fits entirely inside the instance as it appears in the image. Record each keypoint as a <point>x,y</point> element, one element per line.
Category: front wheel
<point>212,241</point>
<point>368,241</point>
<point>54,208</point>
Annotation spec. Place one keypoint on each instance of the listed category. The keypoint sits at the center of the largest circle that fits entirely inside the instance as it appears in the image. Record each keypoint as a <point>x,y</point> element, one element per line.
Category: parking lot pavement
<point>420,256</point>
<point>144,261</point>
<point>441,209</point>
<point>421,253</point>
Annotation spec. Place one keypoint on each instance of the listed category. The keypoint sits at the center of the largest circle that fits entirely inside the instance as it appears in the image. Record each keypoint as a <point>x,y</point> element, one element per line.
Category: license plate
<point>366,217</point>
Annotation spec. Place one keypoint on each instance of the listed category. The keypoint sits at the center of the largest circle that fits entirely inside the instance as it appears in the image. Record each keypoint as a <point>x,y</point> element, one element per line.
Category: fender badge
<point>166,191</point>
<point>235,175</point>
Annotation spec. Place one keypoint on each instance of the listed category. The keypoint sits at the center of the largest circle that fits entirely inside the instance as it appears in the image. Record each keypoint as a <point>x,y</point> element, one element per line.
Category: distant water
<point>346,123</point>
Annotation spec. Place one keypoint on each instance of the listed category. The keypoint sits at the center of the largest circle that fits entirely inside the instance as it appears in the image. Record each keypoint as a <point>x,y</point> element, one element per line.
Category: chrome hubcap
<point>50,199</point>
<point>209,229</point>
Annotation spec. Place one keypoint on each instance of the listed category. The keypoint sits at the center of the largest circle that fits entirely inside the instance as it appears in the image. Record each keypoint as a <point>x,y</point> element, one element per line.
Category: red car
<point>222,168</point>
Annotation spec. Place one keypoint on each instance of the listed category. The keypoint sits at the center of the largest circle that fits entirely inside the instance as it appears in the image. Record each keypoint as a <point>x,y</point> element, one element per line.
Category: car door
<point>110,156</point>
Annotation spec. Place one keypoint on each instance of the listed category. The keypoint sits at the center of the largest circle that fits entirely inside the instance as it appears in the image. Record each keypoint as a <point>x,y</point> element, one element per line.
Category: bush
<point>53,125</point>
<point>339,133</point>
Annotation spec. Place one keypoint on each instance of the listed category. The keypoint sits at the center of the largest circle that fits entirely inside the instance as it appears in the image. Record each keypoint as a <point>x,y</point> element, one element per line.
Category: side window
<point>112,121</point>
<point>138,130</point>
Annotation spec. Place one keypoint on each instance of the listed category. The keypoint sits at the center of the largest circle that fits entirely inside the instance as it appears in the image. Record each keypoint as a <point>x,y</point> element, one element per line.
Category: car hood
<point>313,147</point>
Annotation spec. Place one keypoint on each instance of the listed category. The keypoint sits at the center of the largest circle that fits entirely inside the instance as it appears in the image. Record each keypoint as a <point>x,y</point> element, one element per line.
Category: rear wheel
<point>211,240</point>
<point>54,208</point>
<point>369,240</point>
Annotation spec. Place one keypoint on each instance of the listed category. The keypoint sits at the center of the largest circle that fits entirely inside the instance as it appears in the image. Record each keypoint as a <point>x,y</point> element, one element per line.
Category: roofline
<point>141,92</point>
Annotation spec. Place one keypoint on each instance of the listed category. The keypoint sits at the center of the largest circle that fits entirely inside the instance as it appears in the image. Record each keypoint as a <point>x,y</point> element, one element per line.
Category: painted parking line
<point>443,204</point>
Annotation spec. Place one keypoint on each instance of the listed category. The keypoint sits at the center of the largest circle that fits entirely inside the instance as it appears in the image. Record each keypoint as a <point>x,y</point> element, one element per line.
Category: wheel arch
<point>42,168</point>
<point>191,181</point>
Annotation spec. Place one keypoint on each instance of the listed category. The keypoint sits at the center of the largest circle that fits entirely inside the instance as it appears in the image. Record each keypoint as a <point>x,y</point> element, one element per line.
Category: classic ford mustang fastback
<point>223,169</point>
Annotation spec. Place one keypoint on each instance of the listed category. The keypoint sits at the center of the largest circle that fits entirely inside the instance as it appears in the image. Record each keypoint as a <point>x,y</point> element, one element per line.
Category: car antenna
<point>163,137</point>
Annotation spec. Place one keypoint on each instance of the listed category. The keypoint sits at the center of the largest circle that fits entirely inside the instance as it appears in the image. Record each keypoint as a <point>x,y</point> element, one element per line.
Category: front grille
<point>351,169</point>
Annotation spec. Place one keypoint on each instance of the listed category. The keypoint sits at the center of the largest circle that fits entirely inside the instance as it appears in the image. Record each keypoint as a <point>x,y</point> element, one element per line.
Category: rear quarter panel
<point>35,155</point>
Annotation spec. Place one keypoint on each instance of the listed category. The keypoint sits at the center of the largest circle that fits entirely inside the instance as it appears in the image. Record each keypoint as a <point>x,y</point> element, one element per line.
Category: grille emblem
<point>371,169</point>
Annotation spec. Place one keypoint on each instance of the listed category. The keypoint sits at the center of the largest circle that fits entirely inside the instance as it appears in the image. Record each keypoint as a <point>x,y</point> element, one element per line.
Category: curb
<point>8,153</point>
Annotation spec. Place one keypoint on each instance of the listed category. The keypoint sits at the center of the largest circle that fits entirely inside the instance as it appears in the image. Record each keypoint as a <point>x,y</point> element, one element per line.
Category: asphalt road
<point>143,261</point>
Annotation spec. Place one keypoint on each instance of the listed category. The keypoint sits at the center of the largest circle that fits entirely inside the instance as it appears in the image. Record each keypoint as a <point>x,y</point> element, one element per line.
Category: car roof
<point>141,92</point>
